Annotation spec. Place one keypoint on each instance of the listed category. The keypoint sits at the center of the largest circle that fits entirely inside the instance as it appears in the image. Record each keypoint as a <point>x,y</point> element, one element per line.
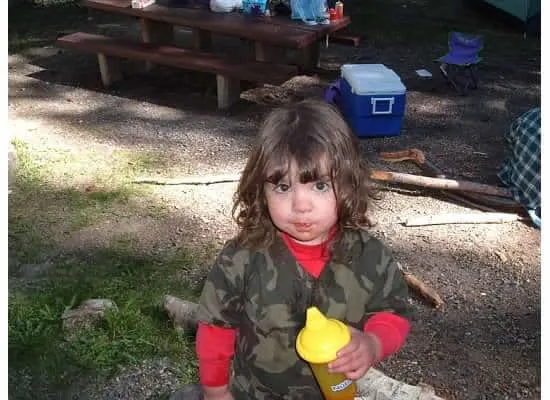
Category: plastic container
<point>317,343</point>
<point>254,7</point>
<point>339,7</point>
<point>373,99</point>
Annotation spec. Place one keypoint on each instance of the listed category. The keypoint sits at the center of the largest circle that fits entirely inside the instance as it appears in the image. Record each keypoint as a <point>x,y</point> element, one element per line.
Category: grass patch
<point>57,192</point>
<point>138,330</point>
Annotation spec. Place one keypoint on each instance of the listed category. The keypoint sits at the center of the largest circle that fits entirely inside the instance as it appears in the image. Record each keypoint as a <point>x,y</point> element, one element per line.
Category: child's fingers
<point>345,363</point>
<point>350,348</point>
<point>347,368</point>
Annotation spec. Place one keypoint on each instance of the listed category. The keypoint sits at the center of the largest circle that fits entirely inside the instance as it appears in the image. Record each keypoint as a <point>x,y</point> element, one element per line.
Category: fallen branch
<point>421,288</point>
<point>191,180</point>
<point>459,218</point>
<point>439,183</point>
<point>470,199</point>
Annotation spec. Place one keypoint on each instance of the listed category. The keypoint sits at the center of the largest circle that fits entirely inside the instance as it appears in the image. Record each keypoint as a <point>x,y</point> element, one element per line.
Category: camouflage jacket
<point>265,294</point>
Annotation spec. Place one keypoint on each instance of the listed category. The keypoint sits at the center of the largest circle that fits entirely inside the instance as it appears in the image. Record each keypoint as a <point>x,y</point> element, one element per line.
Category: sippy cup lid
<point>321,338</point>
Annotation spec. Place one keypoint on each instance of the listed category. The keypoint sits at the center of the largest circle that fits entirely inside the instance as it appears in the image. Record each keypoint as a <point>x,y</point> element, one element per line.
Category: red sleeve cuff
<point>215,348</point>
<point>391,330</point>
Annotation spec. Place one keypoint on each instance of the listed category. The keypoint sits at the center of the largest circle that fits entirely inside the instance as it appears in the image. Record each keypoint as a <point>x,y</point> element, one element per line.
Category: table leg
<point>155,32</point>
<point>109,69</point>
<point>229,91</point>
<point>310,57</point>
<point>202,40</point>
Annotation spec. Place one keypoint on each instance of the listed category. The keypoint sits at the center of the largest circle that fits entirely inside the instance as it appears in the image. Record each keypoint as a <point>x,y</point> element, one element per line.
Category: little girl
<point>300,206</point>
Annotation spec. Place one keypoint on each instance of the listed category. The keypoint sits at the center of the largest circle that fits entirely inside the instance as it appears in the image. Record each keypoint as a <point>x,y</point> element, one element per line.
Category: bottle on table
<point>339,7</point>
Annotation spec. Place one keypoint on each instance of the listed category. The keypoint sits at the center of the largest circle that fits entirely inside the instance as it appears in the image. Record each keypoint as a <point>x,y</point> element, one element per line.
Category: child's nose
<point>301,201</point>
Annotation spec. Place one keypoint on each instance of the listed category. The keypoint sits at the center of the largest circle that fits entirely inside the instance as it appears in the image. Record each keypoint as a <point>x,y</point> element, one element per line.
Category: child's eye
<point>321,187</point>
<point>281,187</point>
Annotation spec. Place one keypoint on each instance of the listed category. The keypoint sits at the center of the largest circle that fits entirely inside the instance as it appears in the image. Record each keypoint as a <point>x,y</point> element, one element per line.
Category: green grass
<point>66,206</point>
<point>138,330</point>
<point>47,203</point>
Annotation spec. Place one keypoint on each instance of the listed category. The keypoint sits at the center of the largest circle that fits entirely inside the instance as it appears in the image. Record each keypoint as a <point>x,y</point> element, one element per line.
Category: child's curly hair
<point>314,135</point>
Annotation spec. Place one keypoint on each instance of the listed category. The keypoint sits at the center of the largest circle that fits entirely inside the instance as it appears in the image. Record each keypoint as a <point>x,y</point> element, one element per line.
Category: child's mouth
<point>302,226</point>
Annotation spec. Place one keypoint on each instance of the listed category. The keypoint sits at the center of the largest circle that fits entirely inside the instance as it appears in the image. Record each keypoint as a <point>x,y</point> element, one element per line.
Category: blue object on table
<point>254,7</point>
<point>463,55</point>
<point>312,12</point>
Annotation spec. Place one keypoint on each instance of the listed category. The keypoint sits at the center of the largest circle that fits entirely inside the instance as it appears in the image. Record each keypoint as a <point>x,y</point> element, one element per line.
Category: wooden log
<point>439,183</point>
<point>421,288</point>
<point>191,180</point>
<point>470,199</point>
<point>460,218</point>
<point>415,155</point>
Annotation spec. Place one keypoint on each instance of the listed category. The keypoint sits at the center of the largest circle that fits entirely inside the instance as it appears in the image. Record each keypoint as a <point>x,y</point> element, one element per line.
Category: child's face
<point>305,211</point>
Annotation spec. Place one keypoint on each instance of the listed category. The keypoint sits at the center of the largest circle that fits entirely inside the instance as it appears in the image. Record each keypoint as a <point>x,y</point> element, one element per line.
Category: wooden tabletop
<point>277,31</point>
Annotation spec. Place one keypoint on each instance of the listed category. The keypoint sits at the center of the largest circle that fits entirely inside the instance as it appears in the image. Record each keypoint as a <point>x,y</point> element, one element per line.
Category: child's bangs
<point>313,165</point>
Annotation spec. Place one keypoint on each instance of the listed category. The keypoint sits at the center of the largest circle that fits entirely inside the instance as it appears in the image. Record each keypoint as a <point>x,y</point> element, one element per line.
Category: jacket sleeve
<point>221,298</point>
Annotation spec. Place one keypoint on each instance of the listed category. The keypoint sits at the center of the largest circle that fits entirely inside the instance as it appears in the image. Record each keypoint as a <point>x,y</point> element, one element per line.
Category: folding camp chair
<point>462,57</point>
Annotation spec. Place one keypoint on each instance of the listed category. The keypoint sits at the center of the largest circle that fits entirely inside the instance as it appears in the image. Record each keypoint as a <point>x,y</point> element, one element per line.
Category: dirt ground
<point>485,342</point>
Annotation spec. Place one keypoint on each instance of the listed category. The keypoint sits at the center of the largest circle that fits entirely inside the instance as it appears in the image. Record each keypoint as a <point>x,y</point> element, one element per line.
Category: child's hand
<point>355,359</point>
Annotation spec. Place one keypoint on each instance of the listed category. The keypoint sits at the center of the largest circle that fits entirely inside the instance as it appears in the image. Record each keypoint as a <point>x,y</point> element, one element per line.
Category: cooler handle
<point>374,102</point>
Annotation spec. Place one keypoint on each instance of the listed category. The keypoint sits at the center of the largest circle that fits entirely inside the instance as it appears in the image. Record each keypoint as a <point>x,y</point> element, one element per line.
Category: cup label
<point>341,386</point>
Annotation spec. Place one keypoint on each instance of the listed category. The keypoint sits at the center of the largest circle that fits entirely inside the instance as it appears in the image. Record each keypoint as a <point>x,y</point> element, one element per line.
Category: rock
<point>86,313</point>
<point>501,255</point>
<point>182,312</point>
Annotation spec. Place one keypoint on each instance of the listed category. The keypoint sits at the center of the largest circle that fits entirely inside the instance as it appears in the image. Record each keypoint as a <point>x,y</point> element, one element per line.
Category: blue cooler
<point>372,99</point>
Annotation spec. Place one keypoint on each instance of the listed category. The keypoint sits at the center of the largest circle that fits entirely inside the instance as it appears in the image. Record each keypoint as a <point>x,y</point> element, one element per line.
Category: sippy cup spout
<point>315,320</point>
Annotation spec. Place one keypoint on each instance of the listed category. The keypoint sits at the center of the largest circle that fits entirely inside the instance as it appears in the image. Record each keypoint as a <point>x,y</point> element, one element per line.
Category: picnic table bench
<point>157,23</point>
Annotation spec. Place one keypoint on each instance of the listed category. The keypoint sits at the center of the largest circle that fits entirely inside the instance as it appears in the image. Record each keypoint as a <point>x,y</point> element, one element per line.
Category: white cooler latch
<point>375,101</point>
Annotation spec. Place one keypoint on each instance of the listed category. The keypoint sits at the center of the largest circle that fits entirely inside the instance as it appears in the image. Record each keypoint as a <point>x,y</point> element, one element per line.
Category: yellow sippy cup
<point>317,343</point>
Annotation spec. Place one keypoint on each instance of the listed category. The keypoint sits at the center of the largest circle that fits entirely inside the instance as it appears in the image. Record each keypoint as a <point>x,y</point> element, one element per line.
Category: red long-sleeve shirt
<point>215,345</point>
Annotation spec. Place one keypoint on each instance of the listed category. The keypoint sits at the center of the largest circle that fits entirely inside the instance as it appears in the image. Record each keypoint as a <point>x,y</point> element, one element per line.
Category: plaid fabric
<point>521,171</point>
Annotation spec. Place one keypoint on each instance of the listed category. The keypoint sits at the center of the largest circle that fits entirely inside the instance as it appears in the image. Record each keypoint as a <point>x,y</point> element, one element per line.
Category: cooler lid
<point>372,79</point>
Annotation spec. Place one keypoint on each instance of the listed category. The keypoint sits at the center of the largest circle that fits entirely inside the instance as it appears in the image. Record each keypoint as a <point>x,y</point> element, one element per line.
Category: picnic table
<point>271,37</point>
